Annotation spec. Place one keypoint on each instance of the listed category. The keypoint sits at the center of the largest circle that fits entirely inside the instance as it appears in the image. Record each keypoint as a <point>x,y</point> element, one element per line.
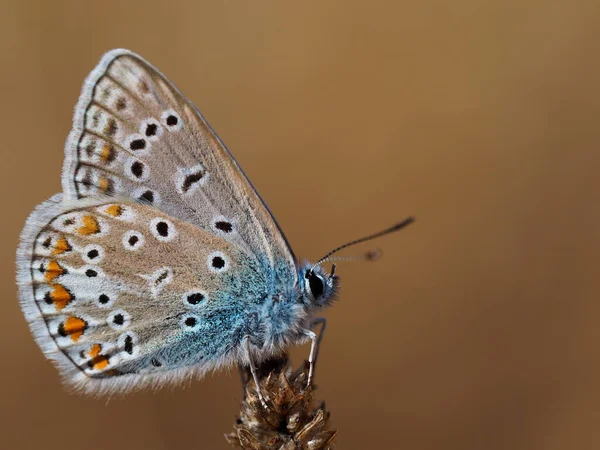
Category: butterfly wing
<point>135,135</point>
<point>113,291</point>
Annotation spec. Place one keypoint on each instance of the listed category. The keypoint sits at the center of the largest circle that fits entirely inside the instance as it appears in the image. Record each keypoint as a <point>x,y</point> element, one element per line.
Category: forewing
<point>117,289</point>
<point>135,135</point>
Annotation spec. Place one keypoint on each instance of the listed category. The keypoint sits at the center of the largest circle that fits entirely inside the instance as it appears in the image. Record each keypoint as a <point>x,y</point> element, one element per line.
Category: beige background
<point>479,327</point>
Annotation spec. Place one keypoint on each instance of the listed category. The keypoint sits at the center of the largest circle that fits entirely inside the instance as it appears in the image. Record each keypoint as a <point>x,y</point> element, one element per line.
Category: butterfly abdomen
<point>282,319</point>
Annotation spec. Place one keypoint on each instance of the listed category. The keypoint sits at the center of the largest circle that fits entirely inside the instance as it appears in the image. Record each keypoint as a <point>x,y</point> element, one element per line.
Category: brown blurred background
<point>478,329</point>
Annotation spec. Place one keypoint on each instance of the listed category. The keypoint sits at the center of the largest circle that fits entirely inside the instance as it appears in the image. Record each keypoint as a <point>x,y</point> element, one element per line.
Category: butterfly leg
<point>248,360</point>
<point>323,322</point>
<point>243,377</point>
<point>314,347</point>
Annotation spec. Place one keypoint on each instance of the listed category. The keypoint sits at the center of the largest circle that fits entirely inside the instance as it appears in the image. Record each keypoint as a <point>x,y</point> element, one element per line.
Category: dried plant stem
<point>290,421</point>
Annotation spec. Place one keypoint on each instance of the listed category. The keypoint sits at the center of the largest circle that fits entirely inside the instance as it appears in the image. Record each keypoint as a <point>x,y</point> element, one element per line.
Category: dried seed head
<point>290,421</point>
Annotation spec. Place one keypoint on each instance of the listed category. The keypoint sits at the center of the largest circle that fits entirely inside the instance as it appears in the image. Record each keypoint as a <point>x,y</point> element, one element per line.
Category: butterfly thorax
<point>285,315</point>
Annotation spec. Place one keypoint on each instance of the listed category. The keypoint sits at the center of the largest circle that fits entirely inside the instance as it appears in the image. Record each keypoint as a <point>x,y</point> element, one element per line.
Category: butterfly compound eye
<point>316,284</point>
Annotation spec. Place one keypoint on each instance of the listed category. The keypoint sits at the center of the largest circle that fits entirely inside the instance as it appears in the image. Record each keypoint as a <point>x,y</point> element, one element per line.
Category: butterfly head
<point>319,288</point>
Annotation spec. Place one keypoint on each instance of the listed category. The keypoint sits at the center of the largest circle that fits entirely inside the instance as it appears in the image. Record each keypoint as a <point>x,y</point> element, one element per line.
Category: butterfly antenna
<point>371,255</point>
<point>389,230</point>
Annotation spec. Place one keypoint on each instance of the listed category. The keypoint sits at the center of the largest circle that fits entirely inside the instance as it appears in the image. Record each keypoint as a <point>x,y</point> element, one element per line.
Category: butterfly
<point>159,261</point>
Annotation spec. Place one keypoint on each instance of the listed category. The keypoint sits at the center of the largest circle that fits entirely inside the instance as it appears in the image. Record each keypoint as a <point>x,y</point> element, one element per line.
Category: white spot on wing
<point>119,319</point>
<point>151,129</point>
<point>159,279</point>
<point>133,240</point>
<point>195,299</point>
<point>92,254</point>
<point>137,144</point>
<point>162,229</point>
<point>133,341</point>
<point>190,322</point>
<point>217,262</point>
<point>105,299</point>
<point>136,170</point>
<point>140,194</point>
<point>171,120</point>
<point>189,179</point>
<point>223,226</point>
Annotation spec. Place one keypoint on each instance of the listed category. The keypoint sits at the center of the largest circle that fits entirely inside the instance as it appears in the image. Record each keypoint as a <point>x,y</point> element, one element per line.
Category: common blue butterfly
<point>159,261</point>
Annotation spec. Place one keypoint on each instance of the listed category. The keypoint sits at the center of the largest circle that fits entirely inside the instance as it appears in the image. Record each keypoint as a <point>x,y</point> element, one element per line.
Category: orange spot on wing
<point>104,184</point>
<point>95,350</point>
<point>74,327</point>
<point>100,362</point>
<point>106,153</point>
<point>114,210</point>
<point>60,296</point>
<point>61,246</point>
<point>53,270</point>
<point>90,226</point>
<point>97,361</point>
